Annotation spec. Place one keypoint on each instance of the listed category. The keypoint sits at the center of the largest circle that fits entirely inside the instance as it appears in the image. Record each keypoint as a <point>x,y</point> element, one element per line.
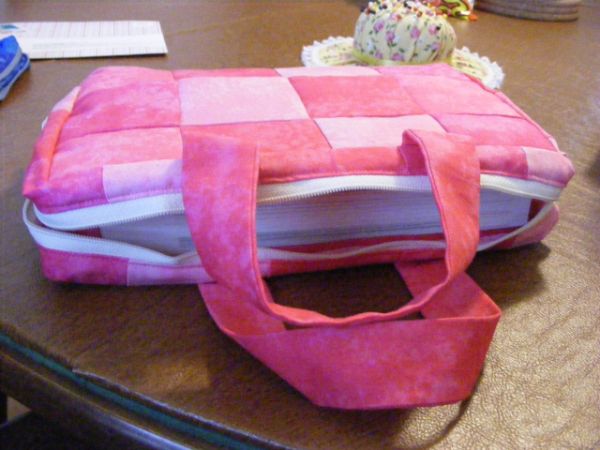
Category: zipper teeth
<point>150,215</point>
<point>272,198</point>
<point>155,257</point>
<point>78,238</point>
<point>282,198</point>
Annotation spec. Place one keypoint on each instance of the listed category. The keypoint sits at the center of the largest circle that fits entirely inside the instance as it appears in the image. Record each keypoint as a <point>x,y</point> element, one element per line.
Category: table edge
<point>46,385</point>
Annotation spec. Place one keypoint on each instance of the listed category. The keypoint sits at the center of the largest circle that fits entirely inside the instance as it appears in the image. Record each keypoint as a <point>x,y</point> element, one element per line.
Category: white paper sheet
<point>50,40</point>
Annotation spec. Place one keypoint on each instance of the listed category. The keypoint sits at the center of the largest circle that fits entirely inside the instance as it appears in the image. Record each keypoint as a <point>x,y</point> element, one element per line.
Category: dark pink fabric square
<point>446,95</point>
<point>369,159</point>
<point>139,105</point>
<point>502,160</point>
<point>286,148</point>
<point>118,76</point>
<point>98,150</point>
<point>495,130</point>
<point>354,96</point>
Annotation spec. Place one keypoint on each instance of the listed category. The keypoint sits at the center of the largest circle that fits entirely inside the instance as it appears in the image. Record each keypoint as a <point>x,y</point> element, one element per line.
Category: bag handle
<point>220,180</point>
<point>385,362</point>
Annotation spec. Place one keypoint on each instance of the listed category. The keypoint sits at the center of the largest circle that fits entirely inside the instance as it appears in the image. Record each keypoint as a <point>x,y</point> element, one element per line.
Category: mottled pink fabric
<point>492,162</point>
<point>290,149</point>
<point>425,70</point>
<point>107,78</point>
<point>297,116</point>
<point>214,136</point>
<point>369,360</point>
<point>437,94</point>
<point>135,105</point>
<point>495,130</point>
<point>213,100</point>
<point>341,71</point>
<point>535,233</point>
<point>344,96</point>
<point>248,72</point>
<point>361,132</point>
<point>544,166</point>
<point>126,181</point>
<point>80,268</point>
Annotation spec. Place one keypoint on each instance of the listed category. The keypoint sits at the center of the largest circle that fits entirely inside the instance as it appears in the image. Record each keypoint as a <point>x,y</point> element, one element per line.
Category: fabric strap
<point>367,360</point>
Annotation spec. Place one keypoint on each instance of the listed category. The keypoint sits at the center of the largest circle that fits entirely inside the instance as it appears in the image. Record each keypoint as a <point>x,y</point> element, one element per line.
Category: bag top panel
<point>118,135</point>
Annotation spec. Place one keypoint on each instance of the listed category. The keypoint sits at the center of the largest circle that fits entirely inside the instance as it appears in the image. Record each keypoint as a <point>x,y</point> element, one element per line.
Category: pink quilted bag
<point>223,177</point>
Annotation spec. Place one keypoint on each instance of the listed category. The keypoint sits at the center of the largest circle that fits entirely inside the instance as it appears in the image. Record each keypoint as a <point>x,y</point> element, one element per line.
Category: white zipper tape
<point>74,243</point>
<point>147,207</point>
<point>69,242</point>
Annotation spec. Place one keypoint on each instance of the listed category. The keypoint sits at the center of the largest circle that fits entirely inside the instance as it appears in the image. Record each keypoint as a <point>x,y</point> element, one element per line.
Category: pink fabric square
<point>118,76</point>
<point>83,268</point>
<point>139,105</point>
<point>548,165</point>
<point>287,148</point>
<point>350,132</point>
<point>214,100</point>
<point>117,147</point>
<point>495,130</point>
<point>354,96</point>
<point>502,160</point>
<point>339,71</point>
<point>368,159</point>
<point>141,178</point>
<point>437,70</point>
<point>250,72</point>
<point>71,190</point>
<point>446,95</point>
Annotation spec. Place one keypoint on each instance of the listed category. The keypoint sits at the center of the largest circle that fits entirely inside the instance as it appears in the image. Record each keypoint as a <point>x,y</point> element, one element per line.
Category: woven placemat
<point>551,10</point>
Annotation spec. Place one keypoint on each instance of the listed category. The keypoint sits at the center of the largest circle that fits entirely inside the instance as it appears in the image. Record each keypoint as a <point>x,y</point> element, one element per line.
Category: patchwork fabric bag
<point>223,177</point>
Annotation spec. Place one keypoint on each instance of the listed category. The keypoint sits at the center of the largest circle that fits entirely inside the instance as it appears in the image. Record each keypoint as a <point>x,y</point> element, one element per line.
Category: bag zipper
<point>166,204</point>
<point>74,243</point>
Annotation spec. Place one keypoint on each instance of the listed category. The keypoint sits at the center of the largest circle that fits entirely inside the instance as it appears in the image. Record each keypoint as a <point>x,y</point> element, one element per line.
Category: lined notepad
<point>50,40</point>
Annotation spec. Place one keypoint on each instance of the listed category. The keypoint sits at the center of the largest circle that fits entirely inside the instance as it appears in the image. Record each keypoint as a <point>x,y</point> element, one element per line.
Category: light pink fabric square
<point>547,165</point>
<point>207,101</point>
<point>146,177</point>
<point>351,132</point>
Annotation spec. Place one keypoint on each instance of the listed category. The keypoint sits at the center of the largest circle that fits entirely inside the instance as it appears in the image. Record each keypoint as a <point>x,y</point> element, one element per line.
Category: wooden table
<point>146,366</point>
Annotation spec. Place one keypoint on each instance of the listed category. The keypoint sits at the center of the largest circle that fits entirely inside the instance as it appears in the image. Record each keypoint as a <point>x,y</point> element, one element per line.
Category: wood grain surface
<point>157,345</point>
